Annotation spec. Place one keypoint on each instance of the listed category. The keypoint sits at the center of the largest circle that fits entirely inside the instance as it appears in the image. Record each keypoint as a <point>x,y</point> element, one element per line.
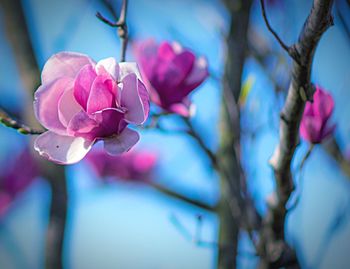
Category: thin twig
<point>289,49</point>
<point>194,134</point>
<point>333,149</point>
<point>301,166</point>
<point>190,131</point>
<point>122,28</point>
<point>196,238</point>
<point>180,196</point>
<point>307,155</point>
<point>6,120</point>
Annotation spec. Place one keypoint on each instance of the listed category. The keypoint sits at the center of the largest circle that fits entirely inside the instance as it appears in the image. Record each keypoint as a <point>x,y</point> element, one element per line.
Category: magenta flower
<point>315,125</point>
<point>134,165</point>
<point>171,73</point>
<point>81,102</point>
<point>15,178</point>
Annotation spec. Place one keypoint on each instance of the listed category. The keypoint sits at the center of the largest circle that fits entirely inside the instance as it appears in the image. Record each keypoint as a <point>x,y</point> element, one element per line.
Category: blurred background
<point>137,216</point>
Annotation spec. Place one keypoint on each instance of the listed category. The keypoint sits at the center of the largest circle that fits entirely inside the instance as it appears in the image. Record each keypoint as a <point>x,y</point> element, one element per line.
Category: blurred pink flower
<point>15,178</point>
<point>315,126</point>
<point>81,102</point>
<point>134,165</point>
<point>171,73</point>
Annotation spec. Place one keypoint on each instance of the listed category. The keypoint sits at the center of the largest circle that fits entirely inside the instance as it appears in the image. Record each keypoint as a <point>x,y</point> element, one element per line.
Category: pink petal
<point>328,131</point>
<point>180,109</point>
<point>310,129</point>
<point>146,54</point>
<point>81,124</point>
<point>5,202</point>
<point>67,107</point>
<point>102,95</point>
<point>18,176</point>
<point>167,77</point>
<point>185,61</point>
<point>46,100</point>
<point>144,162</point>
<point>323,104</point>
<point>101,124</point>
<point>309,110</point>
<point>197,75</point>
<point>121,143</point>
<point>134,98</point>
<point>64,64</point>
<point>110,121</point>
<point>83,84</point>
<point>110,65</point>
<point>62,149</point>
<point>166,51</point>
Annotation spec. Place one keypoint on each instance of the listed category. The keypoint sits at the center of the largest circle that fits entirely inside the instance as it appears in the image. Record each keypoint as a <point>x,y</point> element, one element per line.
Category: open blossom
<point>134,165</point>
<point>171,73</point>
<point>15,178</point>
<point>81,102</point>
<point>315,126</point>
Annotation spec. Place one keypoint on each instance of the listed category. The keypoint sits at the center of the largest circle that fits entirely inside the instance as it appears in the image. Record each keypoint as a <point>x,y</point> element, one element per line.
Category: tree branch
<point>289,49</point>
<point>122,28</point>
<point>8,121</point>
<point>274,248</point>
<point>231,208</point>
<point>333,149</point>
<point>180,196</point>
<point>273,32</point>
<point>194,134</point>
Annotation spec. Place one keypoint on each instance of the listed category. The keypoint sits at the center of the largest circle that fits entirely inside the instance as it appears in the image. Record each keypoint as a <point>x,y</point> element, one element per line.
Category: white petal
<point>126,68</point>
<point>111,66</point>
<point>62,149</point>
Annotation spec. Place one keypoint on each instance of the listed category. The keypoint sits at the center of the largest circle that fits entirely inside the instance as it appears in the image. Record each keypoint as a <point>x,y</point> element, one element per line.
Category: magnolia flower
<point>15,178</point>
<point>315,126</point>
<point>171,74</point>
<point>134,165</point>
<point>81,102</point>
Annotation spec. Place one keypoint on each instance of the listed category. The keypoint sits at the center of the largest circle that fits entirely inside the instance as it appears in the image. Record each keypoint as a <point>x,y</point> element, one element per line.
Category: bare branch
<point>122,28</point>
<point>272,235</point>
<point>232,207</point>
<point>6,120</point>
<point>194,134</point>
<point>180,196</point>
<point>289,49</point>
<point>333,149</point>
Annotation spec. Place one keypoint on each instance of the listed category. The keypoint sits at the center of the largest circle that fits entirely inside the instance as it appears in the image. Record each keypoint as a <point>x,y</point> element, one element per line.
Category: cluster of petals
<point>171,73</point>
<point>15,178</point>
<point>81,102</point>
<point>315,125</point>
<point>133,165</point>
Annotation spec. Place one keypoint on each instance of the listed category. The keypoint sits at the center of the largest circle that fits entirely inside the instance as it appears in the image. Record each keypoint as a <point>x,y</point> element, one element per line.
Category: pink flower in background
<point>171,73</point>
<point>81,102</point>
<point>134,165</point>
<point>15,178</point>
<point>315,125</point>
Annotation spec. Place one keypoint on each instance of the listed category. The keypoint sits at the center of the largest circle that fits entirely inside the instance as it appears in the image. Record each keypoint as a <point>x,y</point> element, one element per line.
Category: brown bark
<point>274,249</point>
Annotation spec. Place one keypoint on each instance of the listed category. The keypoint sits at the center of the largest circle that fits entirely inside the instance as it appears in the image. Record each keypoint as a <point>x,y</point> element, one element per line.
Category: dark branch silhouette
<point>122,28</point>
<point>274,250</point>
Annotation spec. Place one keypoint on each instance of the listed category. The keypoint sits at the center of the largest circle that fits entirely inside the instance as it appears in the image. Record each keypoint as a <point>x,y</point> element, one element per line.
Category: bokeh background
<point>130,224</point>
